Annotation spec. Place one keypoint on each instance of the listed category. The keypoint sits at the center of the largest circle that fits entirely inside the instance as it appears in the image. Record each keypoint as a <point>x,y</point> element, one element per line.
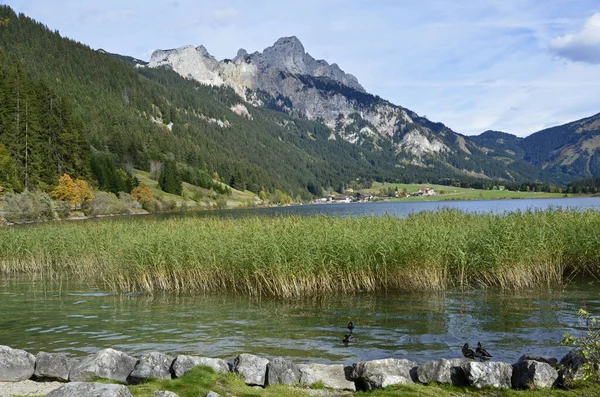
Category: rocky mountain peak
<point>289,44</point>
<point>203,51</point>
<point>241,56</point>
<point>287,54</point>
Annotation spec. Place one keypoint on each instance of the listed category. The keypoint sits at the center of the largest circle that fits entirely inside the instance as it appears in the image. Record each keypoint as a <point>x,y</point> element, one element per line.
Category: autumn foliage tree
<point>142,193</point>
<point>76,192</point>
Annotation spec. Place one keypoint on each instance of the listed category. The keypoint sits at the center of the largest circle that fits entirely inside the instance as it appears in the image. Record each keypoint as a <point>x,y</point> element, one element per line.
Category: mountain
<point>566,152</point>
<point>276,119</point>
<point>286,78</point>
<point>138,117</point>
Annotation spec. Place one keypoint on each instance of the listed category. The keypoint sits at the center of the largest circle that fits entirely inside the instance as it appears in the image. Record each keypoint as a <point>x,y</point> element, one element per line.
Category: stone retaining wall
<point>530,371</point>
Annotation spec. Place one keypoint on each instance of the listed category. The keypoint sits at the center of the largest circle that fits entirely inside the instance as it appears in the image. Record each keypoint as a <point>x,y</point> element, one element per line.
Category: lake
<point>405,208</point>
<point>79,318</point>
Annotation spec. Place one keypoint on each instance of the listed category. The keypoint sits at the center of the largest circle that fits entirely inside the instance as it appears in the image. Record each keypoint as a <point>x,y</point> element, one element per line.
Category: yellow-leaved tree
<point>76,192</point>
<point>142,193</point>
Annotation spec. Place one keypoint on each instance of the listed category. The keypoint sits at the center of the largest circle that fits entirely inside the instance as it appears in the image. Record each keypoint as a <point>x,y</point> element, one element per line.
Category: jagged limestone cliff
<point>315,89</point>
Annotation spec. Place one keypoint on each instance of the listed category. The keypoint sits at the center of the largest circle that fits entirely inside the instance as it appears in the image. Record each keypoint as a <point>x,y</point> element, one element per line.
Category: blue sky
<point>511,65</point>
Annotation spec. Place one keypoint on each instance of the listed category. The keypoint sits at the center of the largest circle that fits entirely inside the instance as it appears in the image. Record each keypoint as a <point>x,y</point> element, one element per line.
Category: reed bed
<point>298,256</point>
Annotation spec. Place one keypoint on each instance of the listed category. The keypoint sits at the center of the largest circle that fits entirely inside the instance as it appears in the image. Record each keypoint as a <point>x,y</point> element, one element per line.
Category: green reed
<point>294,256</point>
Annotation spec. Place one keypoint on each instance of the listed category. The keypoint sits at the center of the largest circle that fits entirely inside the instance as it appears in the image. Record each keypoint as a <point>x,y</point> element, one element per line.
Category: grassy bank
<point>200,380</point>
<point>295,256</point>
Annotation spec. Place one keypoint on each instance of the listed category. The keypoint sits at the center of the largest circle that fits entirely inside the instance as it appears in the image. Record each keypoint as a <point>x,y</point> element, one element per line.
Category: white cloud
<point>582,46</point>
<point>225,16</point>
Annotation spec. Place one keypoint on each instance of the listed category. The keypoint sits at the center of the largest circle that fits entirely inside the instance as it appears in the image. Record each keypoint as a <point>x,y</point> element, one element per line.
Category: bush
<point>109,204</point>
<point>587,345</point>
<point>28,207</point>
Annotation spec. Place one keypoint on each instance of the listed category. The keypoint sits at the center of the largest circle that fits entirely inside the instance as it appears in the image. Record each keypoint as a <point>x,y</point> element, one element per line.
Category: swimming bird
<point>468,353</point>
<point>347,339</point>
<point>482,353</point>
<point>350,326</point>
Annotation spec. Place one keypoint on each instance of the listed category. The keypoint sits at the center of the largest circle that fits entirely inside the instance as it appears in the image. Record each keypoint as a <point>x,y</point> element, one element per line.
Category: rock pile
<point>530,371</point>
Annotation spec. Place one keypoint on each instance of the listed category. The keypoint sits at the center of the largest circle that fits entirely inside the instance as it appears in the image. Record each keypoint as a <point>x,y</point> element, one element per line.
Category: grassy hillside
<point>194,196</point>
<point>456,193</point>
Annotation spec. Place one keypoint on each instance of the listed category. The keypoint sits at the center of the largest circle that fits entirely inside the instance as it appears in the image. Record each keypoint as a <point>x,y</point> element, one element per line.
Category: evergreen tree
<point>170,179</point>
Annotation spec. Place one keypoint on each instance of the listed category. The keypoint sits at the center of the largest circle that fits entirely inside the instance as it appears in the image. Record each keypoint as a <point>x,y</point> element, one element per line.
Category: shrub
<point>109,204</point>
<point>142,193</point>
<point>587,345</point>
<point>76,192</point>
<point>28,207</point>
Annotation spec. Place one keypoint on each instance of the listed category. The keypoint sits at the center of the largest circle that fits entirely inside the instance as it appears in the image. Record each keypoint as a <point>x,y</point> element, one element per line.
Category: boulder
<point>82,389</point>
<point>183,363</point>
<point>151,365</point>
<point>15,365</point>
<point>337,377</point>
<point>252,369</point>
<point>489,373</point>
<point>542,359</point>
<point>106,364</point>
<point>282,372</point>
<point>377,374</point>
<point>446,371</point>
<point>569,367</point>
<point>212,394</point>
<point>164,393</point>
<point>52,366</point>
<point>529,374</point>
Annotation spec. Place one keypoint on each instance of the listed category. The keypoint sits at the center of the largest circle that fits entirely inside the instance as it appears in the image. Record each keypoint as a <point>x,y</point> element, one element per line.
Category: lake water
<point>406,208</point>
<point>78,318</point>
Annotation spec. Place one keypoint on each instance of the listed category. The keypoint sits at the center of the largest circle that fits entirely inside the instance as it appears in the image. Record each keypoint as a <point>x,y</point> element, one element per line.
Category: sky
<point>517,66</point>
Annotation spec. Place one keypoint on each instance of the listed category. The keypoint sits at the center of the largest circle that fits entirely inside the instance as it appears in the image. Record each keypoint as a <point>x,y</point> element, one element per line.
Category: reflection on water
<point>78,319</point>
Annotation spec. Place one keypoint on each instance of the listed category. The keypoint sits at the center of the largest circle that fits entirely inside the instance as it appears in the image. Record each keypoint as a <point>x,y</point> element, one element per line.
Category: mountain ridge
<point>300,133</point>
<point>287,78</point>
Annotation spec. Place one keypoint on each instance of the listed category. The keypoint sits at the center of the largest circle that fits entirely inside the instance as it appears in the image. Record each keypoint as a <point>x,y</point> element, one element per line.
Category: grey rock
<point>536,357</point>
<point>490,373</point>
<point>446,371</point>
<point>106,364</point>
<point>282,372</point>
<point>337,377</point>
<point>377,374</point>
<point>164,393</point>
<point>569,367</point>
<point>212,394</point>
<point>83,389</point>
<point>184,363</point>
<point>533,374</point>
<point>52,366</point>
<point>151,365</point>
<point>252,369</point>
<point>15,364</point>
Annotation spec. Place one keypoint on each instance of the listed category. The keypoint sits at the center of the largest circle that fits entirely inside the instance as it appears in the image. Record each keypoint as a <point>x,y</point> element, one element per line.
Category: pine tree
<point>170,179</point>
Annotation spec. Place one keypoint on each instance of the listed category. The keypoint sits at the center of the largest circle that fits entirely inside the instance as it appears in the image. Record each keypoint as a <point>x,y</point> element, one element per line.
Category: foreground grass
<point>295,256</point>
<point>201,379</point>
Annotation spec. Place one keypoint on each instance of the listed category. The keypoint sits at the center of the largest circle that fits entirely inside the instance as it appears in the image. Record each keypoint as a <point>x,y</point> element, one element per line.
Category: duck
<point>468,353</point>
<point>347,339</point>
<point>482,353</point>
<point>350,326</point>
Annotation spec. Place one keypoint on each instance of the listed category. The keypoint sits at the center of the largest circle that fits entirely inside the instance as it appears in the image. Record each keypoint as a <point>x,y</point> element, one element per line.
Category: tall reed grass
<point>296,256</point>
